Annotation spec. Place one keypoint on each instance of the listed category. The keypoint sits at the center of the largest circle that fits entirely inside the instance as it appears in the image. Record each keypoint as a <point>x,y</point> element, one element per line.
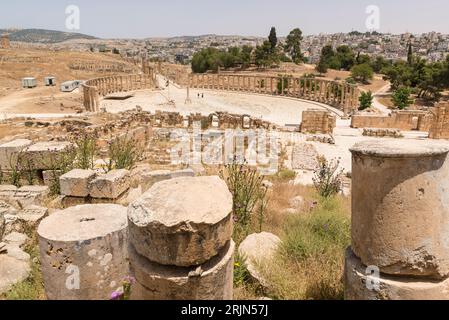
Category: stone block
<point>46,155</point>
<point>76,182</point>
<point>211,281</point>
<point>90,240</point>
<point>182,173</point>
<point>50,176</point>
<point>10,150</point>
<point>111,185</point>
<point>148,179</point>
<point>183,221</point>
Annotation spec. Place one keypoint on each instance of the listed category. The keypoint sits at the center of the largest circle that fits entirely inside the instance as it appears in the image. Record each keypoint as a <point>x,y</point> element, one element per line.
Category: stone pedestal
<point>399,220</point>
<point>180,240</point>
<point>358,286</point>
<point>210,281</point>
<point>400,214</point>
<point>183,221</point>
<point>83,252</point>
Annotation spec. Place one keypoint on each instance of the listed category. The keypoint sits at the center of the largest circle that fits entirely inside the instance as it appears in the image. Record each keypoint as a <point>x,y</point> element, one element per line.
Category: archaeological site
<point>312,164</point>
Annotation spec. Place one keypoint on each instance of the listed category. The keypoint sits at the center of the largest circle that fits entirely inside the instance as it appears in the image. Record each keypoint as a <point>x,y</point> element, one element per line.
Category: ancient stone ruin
<point>84,252</point>
<point>341,95</point>
<point>181,247</point>
<point>318,121</point>
<point>399,224</point>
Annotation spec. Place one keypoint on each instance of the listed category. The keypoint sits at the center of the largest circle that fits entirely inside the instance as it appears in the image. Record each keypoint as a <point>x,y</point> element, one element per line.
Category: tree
<point>273,39</point>
<point>263,55</point>
<point>321,67</point>
<point>293,45</point>
<point>410,54</point>
<point>346,57</point>
<point>362,72</point>
<point>246,56</point>
<point>366,100</point>
<point>401,98</point>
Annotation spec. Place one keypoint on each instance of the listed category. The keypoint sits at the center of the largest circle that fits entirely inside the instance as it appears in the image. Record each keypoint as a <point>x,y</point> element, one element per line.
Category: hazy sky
<point>140,19</point>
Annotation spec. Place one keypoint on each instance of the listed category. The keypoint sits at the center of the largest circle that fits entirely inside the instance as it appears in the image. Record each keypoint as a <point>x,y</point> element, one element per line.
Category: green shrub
<point>245,185</point>
<point>123,153</point>
<point>327,177</point>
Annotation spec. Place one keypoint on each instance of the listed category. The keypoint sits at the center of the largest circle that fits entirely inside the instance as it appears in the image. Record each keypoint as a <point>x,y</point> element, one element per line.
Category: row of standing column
<point>93,89</point>
<point>312,89</point>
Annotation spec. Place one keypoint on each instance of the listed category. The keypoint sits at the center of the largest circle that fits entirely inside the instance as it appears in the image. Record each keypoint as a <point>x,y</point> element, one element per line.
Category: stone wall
<point>406,120</point>
<point>318,121</point>
<point>102,66</point>
<point>340,95</point>
<point>440,126</point>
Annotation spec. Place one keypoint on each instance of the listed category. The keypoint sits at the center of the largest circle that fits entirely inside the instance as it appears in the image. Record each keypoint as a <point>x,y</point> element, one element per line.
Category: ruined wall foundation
<point>318,121</point>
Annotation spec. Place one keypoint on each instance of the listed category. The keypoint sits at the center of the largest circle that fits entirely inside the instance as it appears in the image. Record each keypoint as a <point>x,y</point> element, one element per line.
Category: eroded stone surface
<point>76,182</point>
<point>46,155</point>
<point>211,281</point>
<point>256,250</point>
<point>111,185</point>
<point>390,287</point>
<point>183,221</point>
<point>399,219</point>
<point>304,157</point>
<point>90,240</point>
<point>9,152</point>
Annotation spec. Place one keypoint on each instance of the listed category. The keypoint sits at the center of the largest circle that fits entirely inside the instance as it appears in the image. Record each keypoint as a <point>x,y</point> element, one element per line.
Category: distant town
<point>432,46</point>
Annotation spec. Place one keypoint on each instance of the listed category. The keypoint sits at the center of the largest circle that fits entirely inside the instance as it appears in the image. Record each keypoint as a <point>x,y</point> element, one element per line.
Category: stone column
<point>399,220</point>
<point>181,248</point>
<point>89,242</point>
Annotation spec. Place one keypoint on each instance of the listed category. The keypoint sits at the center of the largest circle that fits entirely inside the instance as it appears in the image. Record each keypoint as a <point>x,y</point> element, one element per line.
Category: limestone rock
<point>257,249</point>
<point>76,182</point>
<point>46,155</point>
<point>182,173</point>
<point>183,221</point>
<point>12,271</point>
<point>150,178</point>
<point>111,185</point>
<point>359,287</point>
<point>296,202</point>
<point>9,152</point>
<point>89,240</point>
<point>211,281</point>
<point>32,215</point>
<point>16,239</point>
<point>51,176</point>
<point>399,222</point>
<point>304,157</point>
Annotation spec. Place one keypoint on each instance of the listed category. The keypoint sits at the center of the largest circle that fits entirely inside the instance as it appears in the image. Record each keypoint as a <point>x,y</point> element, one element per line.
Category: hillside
<point>43,36</point>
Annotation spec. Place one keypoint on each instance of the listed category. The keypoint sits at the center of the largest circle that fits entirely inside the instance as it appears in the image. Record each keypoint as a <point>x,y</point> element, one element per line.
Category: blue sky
<point>140,19</point>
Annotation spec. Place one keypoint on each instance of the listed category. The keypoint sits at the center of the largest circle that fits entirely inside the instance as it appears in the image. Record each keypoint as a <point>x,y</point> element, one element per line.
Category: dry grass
<point>309,264</point>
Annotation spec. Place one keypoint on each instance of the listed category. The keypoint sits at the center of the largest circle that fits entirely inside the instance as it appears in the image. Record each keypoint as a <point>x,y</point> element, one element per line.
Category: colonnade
<point>341,95</point>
